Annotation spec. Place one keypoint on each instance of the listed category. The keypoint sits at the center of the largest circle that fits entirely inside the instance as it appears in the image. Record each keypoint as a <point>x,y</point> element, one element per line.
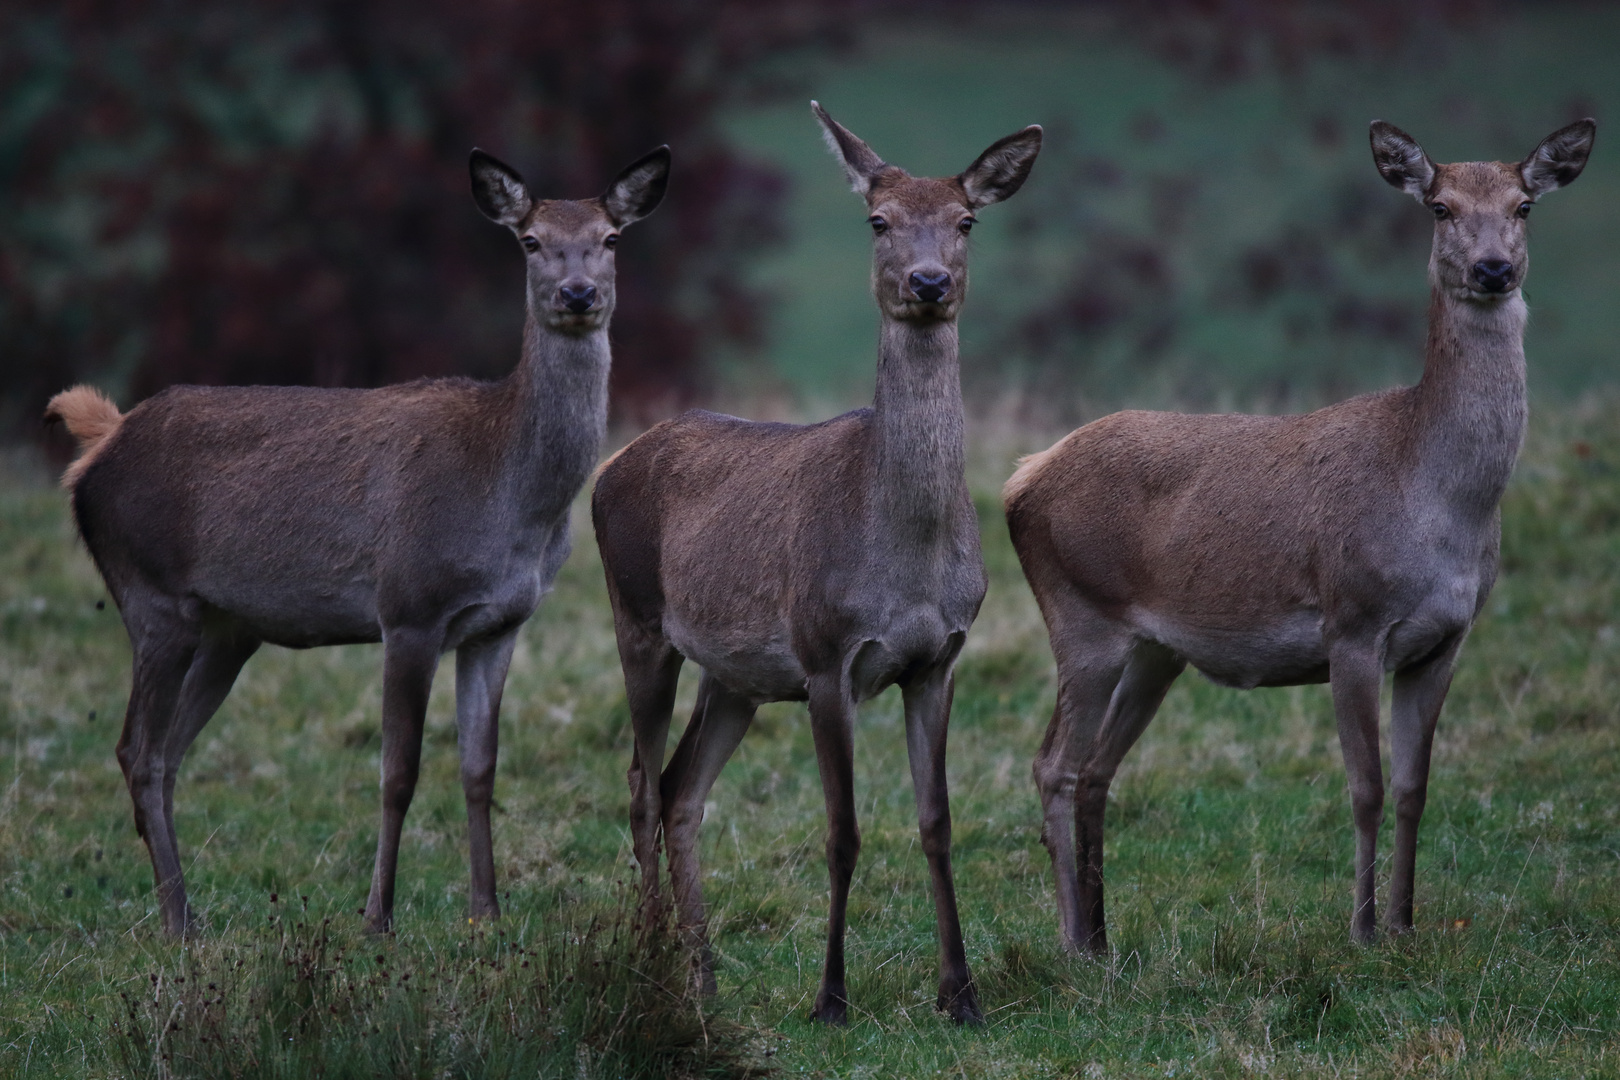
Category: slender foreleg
<point>410,660</point>
<point>928,714</point>
<point>832,719</point>
<point>1420,691</point>
<point>1355,675</point>
<point>480,677</point>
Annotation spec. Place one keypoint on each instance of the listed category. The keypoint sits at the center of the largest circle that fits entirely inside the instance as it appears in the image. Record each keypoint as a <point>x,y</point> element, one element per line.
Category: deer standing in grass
<point>818,563</point>
<point>429,516</point>
<point>1273,551</point>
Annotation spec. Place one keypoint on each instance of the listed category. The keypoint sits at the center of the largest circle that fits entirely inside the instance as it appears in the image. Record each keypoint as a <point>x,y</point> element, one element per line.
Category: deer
<point>430,516</point>
<point>819,563</point>
<point>1334,546</point>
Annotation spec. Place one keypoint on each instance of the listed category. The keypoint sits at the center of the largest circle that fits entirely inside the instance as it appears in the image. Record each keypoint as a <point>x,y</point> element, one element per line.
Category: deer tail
<point>91,416</point>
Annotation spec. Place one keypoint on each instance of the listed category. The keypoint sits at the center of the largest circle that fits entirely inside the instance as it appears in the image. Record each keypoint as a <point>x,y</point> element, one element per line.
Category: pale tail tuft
<point>91,416</point>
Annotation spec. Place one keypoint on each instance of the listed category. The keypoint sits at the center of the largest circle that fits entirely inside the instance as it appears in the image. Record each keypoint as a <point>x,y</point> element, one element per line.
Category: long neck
<point>559,400</point>
<point>919,443</point>
<point>1471,406</point>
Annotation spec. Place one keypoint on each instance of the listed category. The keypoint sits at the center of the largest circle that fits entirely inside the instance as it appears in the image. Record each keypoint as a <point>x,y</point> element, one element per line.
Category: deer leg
<point>718,724</point>
<point>213,671</point>
<point>1420,691</point>
<point>480,678</point>
<point>165,642</point>
<point>1091,656</point>
<point>1135,701</point>
<point>832,721</point>
<point>928,715</point>
<point>652,671</point>
<point>410,660</point>
<point>1355,674</point>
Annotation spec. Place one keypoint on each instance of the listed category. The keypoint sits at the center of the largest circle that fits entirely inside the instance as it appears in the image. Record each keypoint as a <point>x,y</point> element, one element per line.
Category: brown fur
<point>430,516</point>
<point>823,562</point>
<point>91,418</point>
<point>1334,546</point>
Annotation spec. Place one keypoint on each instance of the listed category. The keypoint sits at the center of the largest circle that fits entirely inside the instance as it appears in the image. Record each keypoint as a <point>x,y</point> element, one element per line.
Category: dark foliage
<point>276,192</point>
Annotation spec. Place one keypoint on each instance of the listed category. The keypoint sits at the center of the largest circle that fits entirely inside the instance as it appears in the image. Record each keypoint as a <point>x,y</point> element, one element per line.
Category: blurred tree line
<point>276,192</point>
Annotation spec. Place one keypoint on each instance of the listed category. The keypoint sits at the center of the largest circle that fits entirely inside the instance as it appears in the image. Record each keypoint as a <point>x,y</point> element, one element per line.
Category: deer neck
<point>920,460</point>
<point>558,396</point>
<point>1471,404</point>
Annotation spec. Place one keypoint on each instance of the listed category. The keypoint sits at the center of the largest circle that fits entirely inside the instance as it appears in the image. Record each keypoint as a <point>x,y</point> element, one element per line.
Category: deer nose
<point>930,288</point>
<point>577,298</point>
<point>1494,275</point>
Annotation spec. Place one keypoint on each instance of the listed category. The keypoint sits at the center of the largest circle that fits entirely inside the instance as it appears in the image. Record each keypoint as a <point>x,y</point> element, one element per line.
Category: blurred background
<point>276,192</point>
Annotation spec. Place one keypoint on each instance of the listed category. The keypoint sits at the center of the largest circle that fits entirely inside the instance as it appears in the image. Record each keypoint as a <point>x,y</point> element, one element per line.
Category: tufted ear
<point>637,191</point>
<point>1001,170</point>
<point>498,190</point>
<point>1559,159</point>
<point>1400,160</point>
<point>861,165</point>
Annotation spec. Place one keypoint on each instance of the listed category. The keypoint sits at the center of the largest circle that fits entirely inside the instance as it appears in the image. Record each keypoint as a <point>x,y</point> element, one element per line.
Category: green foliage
<point>1228,859</point>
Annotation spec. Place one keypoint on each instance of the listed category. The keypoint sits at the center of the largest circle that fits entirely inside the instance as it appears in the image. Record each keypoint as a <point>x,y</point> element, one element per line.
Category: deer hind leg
<point>1136,700</point>
<point>1355,676</point>
<point>928,714</point>
<point>1091,654</point>
<point>719,721</point>
<point>652,670</point>
<point>480,677</point>
<point>213,671</point>
<point>832,721</point>
<point>1420,691</point>
<point>410,660</point>
<point>165,637</point>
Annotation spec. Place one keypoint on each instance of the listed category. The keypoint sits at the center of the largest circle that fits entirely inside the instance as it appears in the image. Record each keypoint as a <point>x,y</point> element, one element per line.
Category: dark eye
<point>530,244</point>
<point>879,226</point>
<point>1524,209</point>
<point>611,242</point>
<point>967,223</point>
<point>1441,211</point>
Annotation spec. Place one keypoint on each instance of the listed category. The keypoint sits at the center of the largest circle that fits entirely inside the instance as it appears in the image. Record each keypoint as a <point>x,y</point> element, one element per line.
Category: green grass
<point>1229,856</point>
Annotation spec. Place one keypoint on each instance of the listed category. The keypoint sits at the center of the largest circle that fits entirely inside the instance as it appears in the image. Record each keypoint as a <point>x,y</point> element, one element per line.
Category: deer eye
<point>530,244</point>
<point>1524,209</point>
<point>967,223</point>
<point>879,226</point>
<point>1441,211</point>
<point>611,242</point>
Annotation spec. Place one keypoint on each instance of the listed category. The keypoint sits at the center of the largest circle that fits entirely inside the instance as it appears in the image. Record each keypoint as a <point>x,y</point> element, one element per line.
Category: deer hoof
<point>961,1006</point>
<point>831,1009</point>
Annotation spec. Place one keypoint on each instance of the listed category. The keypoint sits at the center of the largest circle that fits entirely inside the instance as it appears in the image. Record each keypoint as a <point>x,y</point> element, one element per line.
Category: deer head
<point>919,225</point>
<point>1480,207</point>
<point>569,243</point>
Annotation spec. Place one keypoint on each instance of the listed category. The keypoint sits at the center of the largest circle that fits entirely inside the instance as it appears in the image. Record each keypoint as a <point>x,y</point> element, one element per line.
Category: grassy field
<point>1229,856</point>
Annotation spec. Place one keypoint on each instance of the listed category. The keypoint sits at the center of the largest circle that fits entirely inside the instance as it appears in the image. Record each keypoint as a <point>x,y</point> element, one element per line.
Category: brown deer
<point>818,563</point>
<point>429,516</point>
<point>1274,551</point>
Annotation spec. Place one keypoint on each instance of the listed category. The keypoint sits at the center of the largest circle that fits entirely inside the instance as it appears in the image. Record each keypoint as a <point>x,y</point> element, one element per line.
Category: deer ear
<point>1400,160</point>
<point>1560,157</point>
<point>637,191</point>
<point>1001,170</point>
<point>861,165</point>
<point>498,190</point>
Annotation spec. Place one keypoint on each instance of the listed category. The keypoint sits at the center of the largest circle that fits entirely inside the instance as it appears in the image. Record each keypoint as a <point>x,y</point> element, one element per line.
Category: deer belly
<point>1283,651</point>
<point>757,662</point>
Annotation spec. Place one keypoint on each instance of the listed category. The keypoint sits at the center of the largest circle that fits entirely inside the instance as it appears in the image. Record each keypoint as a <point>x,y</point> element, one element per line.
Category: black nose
<point>930,288</point>
<point>578,298</point>
<point>1494,275</point>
